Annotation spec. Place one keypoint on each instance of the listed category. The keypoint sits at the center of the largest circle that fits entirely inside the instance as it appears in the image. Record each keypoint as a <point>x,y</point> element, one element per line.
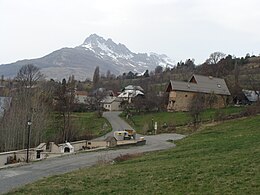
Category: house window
<point>186,95</point>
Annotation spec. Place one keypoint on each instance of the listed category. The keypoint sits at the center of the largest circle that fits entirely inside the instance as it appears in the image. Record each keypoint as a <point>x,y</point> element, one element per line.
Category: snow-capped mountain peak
<point>107,48</point>
<point>82,60</point>
<point>121,55</point>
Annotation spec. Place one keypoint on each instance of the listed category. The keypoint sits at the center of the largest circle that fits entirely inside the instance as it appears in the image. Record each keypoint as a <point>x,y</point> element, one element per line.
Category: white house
<point>111,103</point>
<point>66,148</point>
<point>81,97</point>
<point>251,95</point>
<point>131,92</point>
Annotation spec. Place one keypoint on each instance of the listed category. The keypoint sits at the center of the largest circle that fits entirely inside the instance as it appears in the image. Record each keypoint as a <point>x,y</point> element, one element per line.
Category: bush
<point>145,128</point>
<point>125,157</point>
<point>167,128</point>
<point>219,115</point>
<point>251,110</point>
<point>99,113</point>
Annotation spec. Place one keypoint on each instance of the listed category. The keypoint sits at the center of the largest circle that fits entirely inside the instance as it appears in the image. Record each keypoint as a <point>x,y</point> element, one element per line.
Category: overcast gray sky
<point>181,29</point>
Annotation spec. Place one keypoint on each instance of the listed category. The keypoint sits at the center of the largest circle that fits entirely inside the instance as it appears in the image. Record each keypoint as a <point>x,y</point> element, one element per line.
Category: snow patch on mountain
<point>82,60</point>
<point>122,56</point>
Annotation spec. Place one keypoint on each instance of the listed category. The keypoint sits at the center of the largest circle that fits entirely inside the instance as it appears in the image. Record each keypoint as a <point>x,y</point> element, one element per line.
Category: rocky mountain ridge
<point>82,60</point>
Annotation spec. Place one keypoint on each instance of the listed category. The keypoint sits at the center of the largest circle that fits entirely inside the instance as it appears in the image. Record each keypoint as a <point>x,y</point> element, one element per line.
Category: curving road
<point>14,177</point>
<point>116,122</point>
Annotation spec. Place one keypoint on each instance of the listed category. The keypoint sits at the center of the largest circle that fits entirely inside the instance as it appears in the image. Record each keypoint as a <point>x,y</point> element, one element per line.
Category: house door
<point>66,149</point>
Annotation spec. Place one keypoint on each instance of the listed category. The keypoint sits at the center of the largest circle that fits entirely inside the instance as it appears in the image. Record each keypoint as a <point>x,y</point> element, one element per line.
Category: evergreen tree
<point>96,77</point>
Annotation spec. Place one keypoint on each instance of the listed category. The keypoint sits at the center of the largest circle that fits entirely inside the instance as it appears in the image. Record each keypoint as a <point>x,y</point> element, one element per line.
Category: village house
<point>130,92</point>
<point>251,95</point>
<point>182,93</point>
<point>81,97</point>
<point>111,103</point>
<point>103,92</point>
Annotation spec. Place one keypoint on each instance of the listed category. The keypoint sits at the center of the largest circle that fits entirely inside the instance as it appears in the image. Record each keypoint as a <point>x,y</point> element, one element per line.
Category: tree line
<point>48,104</point>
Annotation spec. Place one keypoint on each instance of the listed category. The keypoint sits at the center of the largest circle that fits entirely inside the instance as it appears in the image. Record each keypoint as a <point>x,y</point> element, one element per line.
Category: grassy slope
<point>177,118</point>
<point>224,159</point>
<point>89,122</point>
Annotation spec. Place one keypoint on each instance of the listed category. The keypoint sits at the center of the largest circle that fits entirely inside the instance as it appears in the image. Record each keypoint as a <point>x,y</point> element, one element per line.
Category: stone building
<point>182,93</point>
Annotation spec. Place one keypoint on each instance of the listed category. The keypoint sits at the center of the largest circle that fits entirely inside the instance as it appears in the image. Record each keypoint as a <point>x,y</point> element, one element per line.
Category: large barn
<point>181,94</point>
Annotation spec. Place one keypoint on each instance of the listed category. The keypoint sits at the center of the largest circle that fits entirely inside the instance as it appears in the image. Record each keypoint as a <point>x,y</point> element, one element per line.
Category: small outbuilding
<point>39,149</point>
<point>111,141</point>
<point>66,148</point>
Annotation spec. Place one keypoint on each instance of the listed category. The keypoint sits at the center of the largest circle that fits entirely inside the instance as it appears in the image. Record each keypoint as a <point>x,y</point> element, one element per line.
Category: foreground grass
<point>143,122</point>
<point>223,159</point>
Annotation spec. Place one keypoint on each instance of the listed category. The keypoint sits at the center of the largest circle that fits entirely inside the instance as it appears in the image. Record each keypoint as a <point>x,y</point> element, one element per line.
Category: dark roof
<point>109,100</point>
<point>84,93</point>
<point>203,84</point>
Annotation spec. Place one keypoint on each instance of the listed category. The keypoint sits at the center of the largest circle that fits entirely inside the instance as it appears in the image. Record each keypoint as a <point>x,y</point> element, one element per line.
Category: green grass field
<point>221,159</point>
<point>84,123</point>
<point>143,122</point>
<point>89,122</point>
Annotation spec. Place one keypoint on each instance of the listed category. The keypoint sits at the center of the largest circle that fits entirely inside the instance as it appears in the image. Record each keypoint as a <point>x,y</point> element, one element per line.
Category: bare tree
<point>211,99</point>
<point>97,97</point>
<point>28,75</point>
<point>65,96</point>
<point>254,84</point>
<point>196,107</point>
<point>27,103</point>
<point>215,57</point>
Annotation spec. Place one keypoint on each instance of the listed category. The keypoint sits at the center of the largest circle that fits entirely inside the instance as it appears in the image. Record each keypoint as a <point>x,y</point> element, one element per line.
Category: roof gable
<point>133,87</point>
<point>81,93</point>
<point>109,100</point>
<point>202,84</point>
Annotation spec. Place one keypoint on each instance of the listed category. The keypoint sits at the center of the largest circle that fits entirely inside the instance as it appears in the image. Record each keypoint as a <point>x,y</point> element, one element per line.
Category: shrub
<point>219,115</point>
<point>125,157</point>
<point>251,110</point>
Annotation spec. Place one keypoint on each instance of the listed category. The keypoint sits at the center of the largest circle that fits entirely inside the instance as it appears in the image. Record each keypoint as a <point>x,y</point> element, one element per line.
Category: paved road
<point>19,176</point>
<point>116,122</point>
